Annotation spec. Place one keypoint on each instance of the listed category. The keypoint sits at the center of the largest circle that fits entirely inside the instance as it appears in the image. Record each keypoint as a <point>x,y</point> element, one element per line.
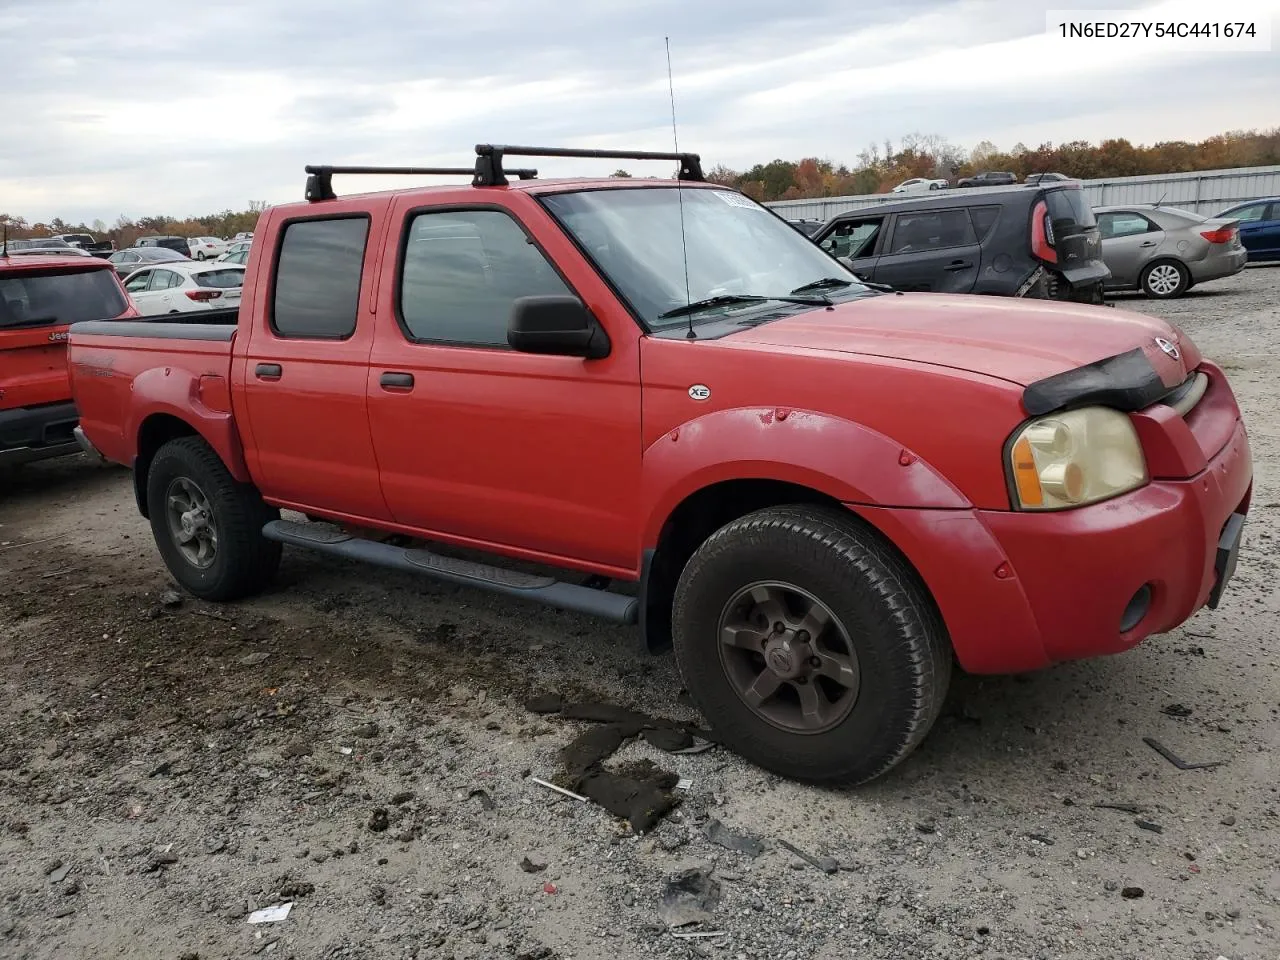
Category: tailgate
<point>33,366</point>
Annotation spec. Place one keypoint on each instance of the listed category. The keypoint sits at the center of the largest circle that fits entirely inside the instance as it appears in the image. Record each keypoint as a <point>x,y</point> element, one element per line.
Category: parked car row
<point>985,179</point>
<point>1046,242</point>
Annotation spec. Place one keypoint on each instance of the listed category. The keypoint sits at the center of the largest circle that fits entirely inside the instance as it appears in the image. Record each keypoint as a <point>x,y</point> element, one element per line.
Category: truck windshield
<point>737,251</point>
<point>50,299</point>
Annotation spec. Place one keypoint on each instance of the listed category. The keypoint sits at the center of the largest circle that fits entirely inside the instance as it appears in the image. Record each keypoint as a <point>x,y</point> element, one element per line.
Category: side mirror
<point>558,324</point>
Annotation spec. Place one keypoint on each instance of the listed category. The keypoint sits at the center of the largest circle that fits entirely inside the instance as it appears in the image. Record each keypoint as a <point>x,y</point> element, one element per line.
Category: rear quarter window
<point>50,298</point>
<point>984,218</point>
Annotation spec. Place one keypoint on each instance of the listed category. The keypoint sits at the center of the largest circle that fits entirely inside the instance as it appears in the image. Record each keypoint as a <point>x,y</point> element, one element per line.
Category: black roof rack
<point>489,172</point>
<point>320,176</point>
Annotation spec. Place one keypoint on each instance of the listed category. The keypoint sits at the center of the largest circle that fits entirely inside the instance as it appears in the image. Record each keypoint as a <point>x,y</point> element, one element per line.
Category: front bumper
<point>1019,591</point>
<point>28,434</point>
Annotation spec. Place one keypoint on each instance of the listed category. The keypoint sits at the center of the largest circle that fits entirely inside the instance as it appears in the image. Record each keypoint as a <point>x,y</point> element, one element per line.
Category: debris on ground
<point>722,836</point>
<point>547,703</point>
<point>642,795</point>
<point>690,897</point>
<point>1148,825</point>
<point>528,866</point>
<point>669,739</point>
<point>366,731</point>
<point>59,873</point>
<point>271,914</point>
<point>1132,808</point>
<point>1177,761</point>
<point>161,861</point>
<point>254,659</point>
<point>1176,710</point>
<point>401,798</point>
<point>379,820</point>
<point>550,888</point>
<point>294,889</point>
<point>827,865</point>
<point>486,801</point>
<point>170,599</point>
<point>1132,893</point>
<point>560,790</point>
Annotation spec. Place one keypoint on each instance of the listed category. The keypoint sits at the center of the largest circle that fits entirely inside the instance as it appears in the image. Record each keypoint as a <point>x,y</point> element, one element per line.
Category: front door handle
<point>392,380</point>
<point>267,371</point>
<point>958,265</point>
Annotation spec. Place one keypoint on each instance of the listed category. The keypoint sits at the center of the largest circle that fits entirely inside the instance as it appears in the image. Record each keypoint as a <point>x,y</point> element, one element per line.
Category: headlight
<point>1070,459</point>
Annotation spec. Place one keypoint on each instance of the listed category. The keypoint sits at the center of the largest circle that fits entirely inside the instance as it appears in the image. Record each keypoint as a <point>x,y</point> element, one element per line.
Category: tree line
<point>877,169</point>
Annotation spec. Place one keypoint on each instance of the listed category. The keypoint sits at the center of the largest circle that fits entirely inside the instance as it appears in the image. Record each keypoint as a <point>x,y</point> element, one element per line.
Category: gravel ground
<point>166,766</point>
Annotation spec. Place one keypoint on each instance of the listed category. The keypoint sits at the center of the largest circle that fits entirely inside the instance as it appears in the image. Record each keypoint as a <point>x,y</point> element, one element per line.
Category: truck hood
<point>1021,341</point>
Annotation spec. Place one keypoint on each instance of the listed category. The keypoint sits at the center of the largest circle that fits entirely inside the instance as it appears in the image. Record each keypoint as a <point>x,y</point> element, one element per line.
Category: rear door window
<point>931,230</point>
<point>39,299</point>
<point>317,282</point>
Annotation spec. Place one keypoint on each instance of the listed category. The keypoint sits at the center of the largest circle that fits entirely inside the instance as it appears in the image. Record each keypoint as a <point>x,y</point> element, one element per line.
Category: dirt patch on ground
<point>356,743</point>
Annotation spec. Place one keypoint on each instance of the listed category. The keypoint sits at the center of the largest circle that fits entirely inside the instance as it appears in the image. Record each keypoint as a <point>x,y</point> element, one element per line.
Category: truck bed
<point>173,361</point>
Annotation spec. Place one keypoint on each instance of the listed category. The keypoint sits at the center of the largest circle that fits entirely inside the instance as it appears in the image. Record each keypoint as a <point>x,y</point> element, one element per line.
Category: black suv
<point>1039,241</point>
<point>176,244</point>
<point>988,178</point>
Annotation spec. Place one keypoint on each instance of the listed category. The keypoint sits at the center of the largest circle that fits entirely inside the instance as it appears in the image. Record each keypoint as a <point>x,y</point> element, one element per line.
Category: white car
<point>237,252</point>
<point>185,287</point>
<point>917,184</point>
<point>206,248</point>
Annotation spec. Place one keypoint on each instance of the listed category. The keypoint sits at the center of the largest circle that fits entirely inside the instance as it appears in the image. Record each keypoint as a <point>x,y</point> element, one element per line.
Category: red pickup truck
<point>825,492</point>
<point>41,295</point>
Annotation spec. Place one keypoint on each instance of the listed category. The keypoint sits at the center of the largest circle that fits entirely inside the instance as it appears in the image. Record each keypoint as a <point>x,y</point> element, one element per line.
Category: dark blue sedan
<point>1259,227</point>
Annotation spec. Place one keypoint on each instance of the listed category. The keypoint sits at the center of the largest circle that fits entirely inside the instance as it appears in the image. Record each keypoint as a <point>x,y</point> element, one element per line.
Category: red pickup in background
<point>825,492</point>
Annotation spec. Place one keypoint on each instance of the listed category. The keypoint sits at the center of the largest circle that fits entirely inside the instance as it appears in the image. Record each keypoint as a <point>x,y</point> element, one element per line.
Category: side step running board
<point>566,596</point>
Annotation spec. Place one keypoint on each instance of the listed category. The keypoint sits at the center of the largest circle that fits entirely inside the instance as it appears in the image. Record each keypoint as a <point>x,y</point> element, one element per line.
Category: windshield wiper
<point>726,299</point>
<point>824,282</point>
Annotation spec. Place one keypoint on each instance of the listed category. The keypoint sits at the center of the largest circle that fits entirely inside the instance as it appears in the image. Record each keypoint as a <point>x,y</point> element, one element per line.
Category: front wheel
<point>207,525</point>
<point>1165,279</point>
<point>200,256</point>
<point>809,645</point>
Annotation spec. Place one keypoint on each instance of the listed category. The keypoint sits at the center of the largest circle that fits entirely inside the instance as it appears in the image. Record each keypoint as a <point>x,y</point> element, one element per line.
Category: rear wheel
<point>207,525</point>
<point>810,646</point>
<point>200,255</point>
<point>1165,279</point>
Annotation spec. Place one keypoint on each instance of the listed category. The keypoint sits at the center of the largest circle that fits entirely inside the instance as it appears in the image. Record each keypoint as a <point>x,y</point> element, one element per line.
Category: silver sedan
<point>1164,251</point>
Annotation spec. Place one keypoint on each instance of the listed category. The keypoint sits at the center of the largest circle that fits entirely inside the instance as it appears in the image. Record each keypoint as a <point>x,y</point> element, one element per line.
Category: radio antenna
<point>684,245</point>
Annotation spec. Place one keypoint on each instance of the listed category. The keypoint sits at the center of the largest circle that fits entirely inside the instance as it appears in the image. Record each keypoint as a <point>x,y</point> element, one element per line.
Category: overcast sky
<point>187,108</point>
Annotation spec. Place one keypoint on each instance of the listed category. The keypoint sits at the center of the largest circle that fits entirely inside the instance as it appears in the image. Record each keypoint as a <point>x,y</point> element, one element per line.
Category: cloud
<point>210,106</point>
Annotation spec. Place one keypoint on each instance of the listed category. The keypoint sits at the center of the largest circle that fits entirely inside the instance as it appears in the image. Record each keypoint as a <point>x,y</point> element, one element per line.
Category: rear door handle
<point>267,371</point>
<point>396,381</point>
<point>1147,243</point>
<point>958,265</point>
